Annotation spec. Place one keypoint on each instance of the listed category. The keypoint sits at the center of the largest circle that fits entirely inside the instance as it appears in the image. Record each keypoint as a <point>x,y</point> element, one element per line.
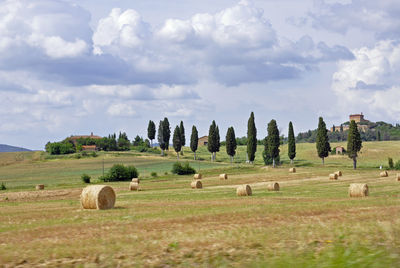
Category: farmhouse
<point>203,141</point>
<point>340,150</point>
<point>75,138</point>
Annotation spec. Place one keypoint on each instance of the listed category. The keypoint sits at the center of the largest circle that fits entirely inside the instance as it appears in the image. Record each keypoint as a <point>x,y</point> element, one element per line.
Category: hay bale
<point>333,176</point>
<point>384,174</point>
<point>398,176</point>
<point>243,190</point>
<point>339,173</point>
<point>292,170</point>
<point>196,184</point>
<point>358,190</point>
<point>98,197</point>
<point>273,186</point>
<point>134,186</point>
<point>197,177</point>
<point>223,176</point>
<point>39,187</point>
<point>137,180</point>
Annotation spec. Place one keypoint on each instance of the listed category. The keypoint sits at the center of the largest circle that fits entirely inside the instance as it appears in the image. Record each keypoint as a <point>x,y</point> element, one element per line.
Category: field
<point>311,222</point>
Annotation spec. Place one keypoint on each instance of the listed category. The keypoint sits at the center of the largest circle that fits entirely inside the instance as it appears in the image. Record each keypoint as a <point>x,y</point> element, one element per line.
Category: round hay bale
<point>196,184</point>
<point>39,187</point>
<point>358,190</point>
<point>273,186</point>
<point>223,176</point>
<point>398,176</point>
<point>98,197</point>
<point>197,176</point>
<point>339,173</point>
<point>243,190</point>
<point>137,180</point>
<point>333,176</point>
<point>292,170</point>
<point>134,186</point>
<point>384,174</point>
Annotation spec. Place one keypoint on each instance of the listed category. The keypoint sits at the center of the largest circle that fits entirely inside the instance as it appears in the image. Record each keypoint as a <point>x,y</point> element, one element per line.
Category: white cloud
<point>121,109</point>
<point>370,82</point>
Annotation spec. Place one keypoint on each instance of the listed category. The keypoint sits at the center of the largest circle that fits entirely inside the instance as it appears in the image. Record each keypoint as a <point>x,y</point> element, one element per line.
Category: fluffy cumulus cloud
<point>370,82</point>
<point>382,18</point>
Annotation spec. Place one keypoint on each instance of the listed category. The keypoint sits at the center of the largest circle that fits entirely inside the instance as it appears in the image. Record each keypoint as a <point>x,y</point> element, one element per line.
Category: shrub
<point>132,172</point>
<point>93,154</point>
<point>390,162</point>
<point>119,172</point>
<point>184,169</point>
<point>153,174</point>
<point>85,178</point>
<point>3,187</point>
<point>397,165</point>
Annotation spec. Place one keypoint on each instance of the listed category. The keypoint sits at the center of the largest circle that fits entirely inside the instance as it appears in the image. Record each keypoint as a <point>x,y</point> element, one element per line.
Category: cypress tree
<point>291,143</point>
<point>273,140</point>
<point>217,140</point>
<point>251,138</point>
<point>322,141</point>
<point>211,139</point>
<point>176,141</point>
<point>160,137</point>
<point>354,142</point>
<point>379,136</point>
<point>341,128</point>
<point>166,132</point>
<point>183,137</point>
<point>231,143</point>
<point>194,141</point>
<point>151,131</point>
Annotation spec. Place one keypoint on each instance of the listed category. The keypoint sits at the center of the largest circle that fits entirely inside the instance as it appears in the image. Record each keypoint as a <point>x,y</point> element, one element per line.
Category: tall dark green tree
<point>213,144</point>
<point>183,137</point>
<point>166,132</point>
<point>273,141</point>
<point>176,141</point>
<point>291,143</point>
<point>194,141</point>
<point>160,137</point>
<point>379,136</point>
<point>322,140</point>
<point>151,131</point>
<point>231,143</point>
<point>251,138</point>
<point>354,142</point>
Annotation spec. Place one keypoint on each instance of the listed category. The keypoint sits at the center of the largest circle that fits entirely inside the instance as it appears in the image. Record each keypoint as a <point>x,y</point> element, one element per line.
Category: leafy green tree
<point>231,143</point>
<point>151,132</point>
<point>251,138</point>
<point>166,132</point>
<point>160,137</point>
<point>354,143</point>
<point>291,143</point>
<point>322,140</point>
<point>176,141</point>
<point>194,141</point>
<point>123,142</point>
<point>273,141</point>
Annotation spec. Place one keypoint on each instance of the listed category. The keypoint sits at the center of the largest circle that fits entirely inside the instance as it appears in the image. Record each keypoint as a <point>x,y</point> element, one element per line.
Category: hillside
<point>4,148</point>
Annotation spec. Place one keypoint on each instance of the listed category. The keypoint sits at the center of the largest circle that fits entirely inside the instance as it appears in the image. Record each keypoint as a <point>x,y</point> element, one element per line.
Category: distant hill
<point>4,148</point>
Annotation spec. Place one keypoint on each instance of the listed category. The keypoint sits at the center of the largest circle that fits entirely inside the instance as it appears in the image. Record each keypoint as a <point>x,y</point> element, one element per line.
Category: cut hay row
<point>98,197</point>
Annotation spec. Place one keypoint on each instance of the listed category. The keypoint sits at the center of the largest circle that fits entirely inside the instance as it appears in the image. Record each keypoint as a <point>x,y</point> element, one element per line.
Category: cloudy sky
<point>74,67</point>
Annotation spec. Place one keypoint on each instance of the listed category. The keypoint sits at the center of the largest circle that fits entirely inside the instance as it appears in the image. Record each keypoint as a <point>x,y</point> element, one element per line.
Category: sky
<point>70,67</point>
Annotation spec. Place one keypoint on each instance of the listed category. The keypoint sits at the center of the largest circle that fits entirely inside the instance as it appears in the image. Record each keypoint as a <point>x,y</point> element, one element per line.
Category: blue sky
<point>75,67</point>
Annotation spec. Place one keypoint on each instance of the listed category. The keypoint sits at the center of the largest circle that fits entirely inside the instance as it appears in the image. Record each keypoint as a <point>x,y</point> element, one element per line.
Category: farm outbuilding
<point>340,150</point>
<point>203,141</point>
